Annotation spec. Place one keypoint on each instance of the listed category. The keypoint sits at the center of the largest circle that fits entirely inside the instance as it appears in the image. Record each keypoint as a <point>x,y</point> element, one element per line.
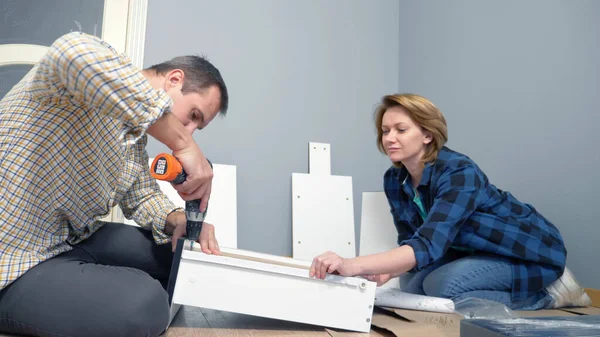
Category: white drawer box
<point>268,286</point>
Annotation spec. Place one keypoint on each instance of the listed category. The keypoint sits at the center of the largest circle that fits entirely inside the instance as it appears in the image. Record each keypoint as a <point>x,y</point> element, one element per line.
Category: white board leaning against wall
<point>322,209</point>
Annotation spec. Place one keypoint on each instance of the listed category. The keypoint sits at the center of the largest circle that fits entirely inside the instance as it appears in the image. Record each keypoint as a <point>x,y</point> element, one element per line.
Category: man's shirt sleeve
<point>90,71</point>
<point>455,200</point>
<point>145,203</point>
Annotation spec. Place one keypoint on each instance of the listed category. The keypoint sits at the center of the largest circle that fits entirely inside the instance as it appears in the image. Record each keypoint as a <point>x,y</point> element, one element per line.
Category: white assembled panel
<point>322,216</point>
<point>222,206</point>
<point>319,158</point>
<point>377,231</point>
<point>273,287</point>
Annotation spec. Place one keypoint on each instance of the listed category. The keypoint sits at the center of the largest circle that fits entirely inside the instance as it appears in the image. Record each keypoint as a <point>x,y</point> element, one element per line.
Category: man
<point>72,145</point>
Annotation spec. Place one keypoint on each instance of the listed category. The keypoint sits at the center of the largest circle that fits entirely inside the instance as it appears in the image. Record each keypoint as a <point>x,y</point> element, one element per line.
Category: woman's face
<point>403,140</point>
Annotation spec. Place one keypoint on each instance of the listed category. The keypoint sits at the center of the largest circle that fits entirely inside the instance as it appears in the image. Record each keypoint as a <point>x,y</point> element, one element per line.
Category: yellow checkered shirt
<point>72,146</point>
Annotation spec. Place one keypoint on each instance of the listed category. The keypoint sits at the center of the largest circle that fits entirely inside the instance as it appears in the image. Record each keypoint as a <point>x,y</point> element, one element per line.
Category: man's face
<point>194,110</point>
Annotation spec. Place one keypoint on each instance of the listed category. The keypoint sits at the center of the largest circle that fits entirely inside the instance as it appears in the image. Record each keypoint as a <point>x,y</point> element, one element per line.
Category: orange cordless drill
<point>166,167</point>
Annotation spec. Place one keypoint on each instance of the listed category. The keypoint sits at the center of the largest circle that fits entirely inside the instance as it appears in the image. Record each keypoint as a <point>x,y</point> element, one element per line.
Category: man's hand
<point>199,175</point>
<point>329,262</point>
<point>381,279</point>
<point>169,131</point>
<point>207,240</point>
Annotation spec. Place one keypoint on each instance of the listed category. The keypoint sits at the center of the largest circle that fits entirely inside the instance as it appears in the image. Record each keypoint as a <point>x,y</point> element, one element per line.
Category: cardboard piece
<point>583,311</point>
<point>594,295</point>
<point>375,332</point>
<point>447,324</point>
<point>403,328</point>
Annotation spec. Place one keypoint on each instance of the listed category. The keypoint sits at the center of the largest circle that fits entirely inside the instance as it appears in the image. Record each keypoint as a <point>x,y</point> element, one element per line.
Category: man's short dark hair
<point>200,74</point>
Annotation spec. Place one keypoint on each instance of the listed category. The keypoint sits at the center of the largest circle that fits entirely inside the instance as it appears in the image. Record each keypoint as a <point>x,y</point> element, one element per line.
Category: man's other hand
<point>207,240</point>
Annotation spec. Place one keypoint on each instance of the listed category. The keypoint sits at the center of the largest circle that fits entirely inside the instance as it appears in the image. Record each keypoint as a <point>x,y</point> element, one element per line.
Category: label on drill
<point>161,166</point>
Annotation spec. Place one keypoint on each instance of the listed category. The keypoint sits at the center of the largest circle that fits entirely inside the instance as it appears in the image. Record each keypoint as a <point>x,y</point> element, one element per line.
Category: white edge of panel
<point>301,271</point>
<point>319,158</point>
<point>21,53</point>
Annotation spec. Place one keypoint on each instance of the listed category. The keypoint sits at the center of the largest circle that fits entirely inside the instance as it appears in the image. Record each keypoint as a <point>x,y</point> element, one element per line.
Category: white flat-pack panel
<point>273,287</point>
<point>319,158</point>
<point>377,231</point>
<point>322,216</point>
<point>222,206</point>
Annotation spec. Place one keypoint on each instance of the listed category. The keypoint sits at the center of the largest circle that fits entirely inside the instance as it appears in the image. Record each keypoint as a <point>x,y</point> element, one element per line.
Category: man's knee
<point>145,312</point>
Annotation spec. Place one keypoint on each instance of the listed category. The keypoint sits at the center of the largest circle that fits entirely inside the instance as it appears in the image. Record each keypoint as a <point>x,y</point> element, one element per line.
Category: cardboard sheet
<point>594,295</point>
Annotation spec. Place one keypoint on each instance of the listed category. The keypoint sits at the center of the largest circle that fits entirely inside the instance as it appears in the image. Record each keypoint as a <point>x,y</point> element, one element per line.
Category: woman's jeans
<point>458,276</point>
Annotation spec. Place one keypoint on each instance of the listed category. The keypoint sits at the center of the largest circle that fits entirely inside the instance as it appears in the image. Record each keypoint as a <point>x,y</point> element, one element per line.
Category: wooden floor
<point>192,322</point>
<point>196,322</point>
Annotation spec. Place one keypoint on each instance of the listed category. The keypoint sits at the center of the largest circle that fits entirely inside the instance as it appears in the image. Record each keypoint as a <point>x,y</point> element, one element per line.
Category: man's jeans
<point>459,276</point>
<point>112,284</point>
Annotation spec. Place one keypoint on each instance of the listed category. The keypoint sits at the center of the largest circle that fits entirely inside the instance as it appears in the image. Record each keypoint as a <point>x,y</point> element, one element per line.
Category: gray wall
<point>297,71</point>
<point>519,84</point>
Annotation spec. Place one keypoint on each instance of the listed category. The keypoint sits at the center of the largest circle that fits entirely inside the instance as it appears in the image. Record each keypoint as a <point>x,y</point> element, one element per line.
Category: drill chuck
<point>195,218</point>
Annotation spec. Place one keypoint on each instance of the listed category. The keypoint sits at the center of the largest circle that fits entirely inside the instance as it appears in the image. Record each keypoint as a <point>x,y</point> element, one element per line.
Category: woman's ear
<point>427,137</point>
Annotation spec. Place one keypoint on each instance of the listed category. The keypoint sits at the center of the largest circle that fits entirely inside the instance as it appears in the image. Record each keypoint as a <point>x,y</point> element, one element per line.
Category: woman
<point>459,236</point>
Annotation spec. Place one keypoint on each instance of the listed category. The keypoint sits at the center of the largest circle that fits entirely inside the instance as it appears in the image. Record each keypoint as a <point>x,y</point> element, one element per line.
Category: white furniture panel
<point>319,161</point>
<point>323,216</point>
<point>322,209</point>
<point>270,286</point>
<point>377,231</point>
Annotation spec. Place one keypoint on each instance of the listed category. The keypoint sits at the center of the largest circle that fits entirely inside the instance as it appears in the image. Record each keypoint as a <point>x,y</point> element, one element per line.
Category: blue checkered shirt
<point>465,210</point>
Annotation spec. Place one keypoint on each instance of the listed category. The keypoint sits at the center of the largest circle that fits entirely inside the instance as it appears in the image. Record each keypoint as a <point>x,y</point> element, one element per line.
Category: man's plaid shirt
<point>72,146</point>
<point>466,211</point>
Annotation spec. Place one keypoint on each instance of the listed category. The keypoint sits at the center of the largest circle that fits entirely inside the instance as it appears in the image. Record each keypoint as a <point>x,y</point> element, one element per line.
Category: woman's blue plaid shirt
<point>465,210</point>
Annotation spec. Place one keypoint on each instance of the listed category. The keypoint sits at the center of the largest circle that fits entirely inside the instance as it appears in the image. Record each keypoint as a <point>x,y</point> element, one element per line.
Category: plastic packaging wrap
<point>484,316</point>
<point>472,308</point>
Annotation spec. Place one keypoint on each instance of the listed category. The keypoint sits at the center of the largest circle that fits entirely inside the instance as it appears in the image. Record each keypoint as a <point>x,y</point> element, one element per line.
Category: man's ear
<point>174,79</point>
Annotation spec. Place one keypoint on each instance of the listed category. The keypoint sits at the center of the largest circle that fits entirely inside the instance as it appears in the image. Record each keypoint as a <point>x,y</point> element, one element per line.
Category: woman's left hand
<point>329,262</point>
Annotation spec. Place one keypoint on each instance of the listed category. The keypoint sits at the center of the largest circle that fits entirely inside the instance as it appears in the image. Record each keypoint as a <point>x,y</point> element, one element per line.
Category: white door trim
<point>126,16</point>
<point>17,53</point>
<point>136,31</point>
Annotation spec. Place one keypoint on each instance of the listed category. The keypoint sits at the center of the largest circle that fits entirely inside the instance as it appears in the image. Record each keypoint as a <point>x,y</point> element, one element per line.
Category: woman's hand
<point>330,263</point>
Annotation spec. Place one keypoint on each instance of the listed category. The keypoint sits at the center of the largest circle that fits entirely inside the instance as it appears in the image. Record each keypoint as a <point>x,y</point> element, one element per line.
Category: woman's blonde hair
<point>423,113</point>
